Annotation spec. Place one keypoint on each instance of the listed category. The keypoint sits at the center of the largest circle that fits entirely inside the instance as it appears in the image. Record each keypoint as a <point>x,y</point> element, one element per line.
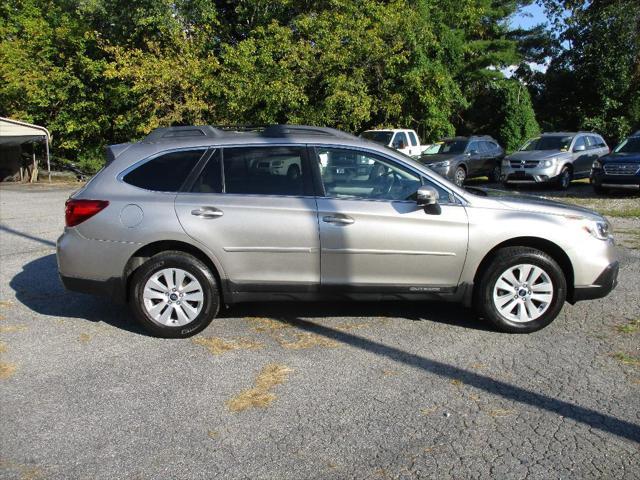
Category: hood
<point>536,154</point>
<point>439,157</point>
<point>621,158</point>
<point>530,203</point>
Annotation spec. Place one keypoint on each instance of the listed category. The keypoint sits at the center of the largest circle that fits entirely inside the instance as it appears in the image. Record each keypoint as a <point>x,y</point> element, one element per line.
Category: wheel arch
<point>144,253</point>
<point>550,248</point>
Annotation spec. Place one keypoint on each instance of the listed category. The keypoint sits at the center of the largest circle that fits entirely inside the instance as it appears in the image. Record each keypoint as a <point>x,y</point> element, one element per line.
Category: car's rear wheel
<point>495,174</point>
<point>564,179</point>
<point>174,295</point>
<point>459,176</point>
<point>522,290</point>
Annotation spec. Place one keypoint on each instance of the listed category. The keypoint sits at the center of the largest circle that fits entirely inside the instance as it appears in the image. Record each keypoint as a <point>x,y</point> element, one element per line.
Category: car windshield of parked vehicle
<point>630,145</point>
<point>381,137</point>
<point>547,143</point>
<point>432,149</point>
<point>453,146</point>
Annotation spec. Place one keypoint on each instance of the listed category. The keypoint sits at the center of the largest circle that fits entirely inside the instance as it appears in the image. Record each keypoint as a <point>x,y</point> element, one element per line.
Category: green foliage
<point>593,81</point>
<point>502,108</point>
<point>107,71</point>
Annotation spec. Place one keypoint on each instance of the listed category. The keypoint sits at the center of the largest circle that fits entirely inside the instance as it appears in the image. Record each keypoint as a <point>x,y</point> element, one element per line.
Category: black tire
<point>504,259</point>
<point>599,189</point>
<point>190,264</point>
<point>459,176</point>
<point>564,179</point>
<point>496,173</point>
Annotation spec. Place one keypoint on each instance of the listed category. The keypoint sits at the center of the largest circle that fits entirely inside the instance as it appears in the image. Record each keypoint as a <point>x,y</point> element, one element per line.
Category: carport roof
<point>14,132</point>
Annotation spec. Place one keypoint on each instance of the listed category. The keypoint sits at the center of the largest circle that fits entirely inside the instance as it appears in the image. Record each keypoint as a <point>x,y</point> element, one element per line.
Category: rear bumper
<point>112,288</point>
<point>602,286</point>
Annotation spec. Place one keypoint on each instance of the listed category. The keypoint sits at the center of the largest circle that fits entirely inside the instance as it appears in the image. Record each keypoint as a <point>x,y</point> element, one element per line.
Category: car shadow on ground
<point>38,287</point>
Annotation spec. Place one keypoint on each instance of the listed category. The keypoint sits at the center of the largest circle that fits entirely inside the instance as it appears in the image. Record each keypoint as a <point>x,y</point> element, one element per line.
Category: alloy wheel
<point>173,297</point>
<point>523,293</point>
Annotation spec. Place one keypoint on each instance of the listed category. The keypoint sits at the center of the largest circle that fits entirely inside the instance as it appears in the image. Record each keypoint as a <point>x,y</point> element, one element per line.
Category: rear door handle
<point>207,212</point>
<point>340,220</point>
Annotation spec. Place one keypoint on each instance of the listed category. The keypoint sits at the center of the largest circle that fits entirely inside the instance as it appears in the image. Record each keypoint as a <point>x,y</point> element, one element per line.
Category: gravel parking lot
<point>371,390</point>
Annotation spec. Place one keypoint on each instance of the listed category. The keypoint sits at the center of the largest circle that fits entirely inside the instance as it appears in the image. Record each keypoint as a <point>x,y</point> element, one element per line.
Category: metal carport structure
<point>14,133</point>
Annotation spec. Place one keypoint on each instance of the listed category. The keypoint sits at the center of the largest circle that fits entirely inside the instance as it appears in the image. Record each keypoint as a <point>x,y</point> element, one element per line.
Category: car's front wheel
<point>459,176</point>
<point>522,290</point>
<point>174,295</point>
<point>564,179</point>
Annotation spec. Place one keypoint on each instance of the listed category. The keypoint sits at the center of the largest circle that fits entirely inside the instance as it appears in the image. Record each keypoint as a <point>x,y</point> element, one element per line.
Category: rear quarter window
<point>164,173</point>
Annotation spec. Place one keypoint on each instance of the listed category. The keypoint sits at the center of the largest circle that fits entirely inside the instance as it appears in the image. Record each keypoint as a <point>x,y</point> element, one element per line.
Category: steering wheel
<point>384,186</point>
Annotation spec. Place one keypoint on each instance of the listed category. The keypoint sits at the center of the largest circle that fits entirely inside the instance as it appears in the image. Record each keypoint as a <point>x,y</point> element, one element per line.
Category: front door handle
<point>339,220</point>
<point>207,212</point>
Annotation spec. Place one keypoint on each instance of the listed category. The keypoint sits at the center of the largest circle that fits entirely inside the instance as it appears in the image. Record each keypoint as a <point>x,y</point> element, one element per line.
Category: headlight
<point>548,162</point>
<point>446,163</point>
<point>596,164</point>
<point>599,229</point>
<point>506,163</point>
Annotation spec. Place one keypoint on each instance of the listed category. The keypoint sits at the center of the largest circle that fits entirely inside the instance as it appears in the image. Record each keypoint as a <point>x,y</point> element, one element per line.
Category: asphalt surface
<point>369,390</point>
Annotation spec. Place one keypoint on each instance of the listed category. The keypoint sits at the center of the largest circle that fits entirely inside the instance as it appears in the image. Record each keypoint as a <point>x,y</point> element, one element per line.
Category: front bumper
<point>602,286</point>
<point>601,179</point>
<point>529,175</point>
<point>446,172</point>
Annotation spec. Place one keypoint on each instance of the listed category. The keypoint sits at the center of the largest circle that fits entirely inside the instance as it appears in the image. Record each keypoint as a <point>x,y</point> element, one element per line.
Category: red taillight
<point>77,211</point>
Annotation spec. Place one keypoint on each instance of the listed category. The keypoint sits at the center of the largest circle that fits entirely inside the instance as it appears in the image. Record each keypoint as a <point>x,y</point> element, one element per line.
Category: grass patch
<point>218,346</point>
<point>7,369</point>
<point>12,328</point>
<point>260,396</point>
<point>84,338</point>
<point>609,207</point>
<point>262,324</point>
<point>307,340</point>
<point>631,327</point>
<point>500,412</point>
<point>627,359</point>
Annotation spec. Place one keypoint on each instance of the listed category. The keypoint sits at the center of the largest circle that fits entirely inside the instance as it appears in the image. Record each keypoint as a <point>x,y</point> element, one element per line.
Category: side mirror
<point>579,148</point>
<point>473,152</point>
<point>426,196</point>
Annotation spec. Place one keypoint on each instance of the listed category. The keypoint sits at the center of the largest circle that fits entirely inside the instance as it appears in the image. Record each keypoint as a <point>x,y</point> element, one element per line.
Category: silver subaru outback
<point>192,218</point>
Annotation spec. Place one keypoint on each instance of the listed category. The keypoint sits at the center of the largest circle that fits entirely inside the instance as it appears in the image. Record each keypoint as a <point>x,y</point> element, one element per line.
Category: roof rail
<point>167,133</point>
<point>277,131</point>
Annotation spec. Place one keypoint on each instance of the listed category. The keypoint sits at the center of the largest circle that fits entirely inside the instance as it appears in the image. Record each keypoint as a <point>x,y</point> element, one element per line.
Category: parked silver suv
<point>188,219</point>
<point>554,158</point>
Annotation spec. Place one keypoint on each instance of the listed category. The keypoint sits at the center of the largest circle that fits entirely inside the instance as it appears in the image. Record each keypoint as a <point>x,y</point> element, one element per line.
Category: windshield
<point>378,136</point>
<point>630,145</point>
<point>547,143</point>
<point>433,149</point>
<point>453,146</point>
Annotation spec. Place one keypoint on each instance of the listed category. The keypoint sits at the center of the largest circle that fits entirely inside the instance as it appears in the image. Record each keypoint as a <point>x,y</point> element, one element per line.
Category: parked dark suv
<point>619,169</point>
<point>460,158</point>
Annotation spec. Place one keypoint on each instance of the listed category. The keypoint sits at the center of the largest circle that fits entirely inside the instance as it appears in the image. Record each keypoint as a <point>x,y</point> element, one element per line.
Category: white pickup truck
<point>404,140</point>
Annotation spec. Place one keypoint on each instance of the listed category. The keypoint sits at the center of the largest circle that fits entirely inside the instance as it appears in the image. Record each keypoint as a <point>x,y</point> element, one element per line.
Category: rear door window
<point>166,172</point>
<point>265,171</point>
<point>414,139</point>
<point>210,179</point>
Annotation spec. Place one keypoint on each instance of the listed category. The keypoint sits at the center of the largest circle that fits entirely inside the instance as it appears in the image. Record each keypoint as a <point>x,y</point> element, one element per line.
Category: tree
<point>593,82</point>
